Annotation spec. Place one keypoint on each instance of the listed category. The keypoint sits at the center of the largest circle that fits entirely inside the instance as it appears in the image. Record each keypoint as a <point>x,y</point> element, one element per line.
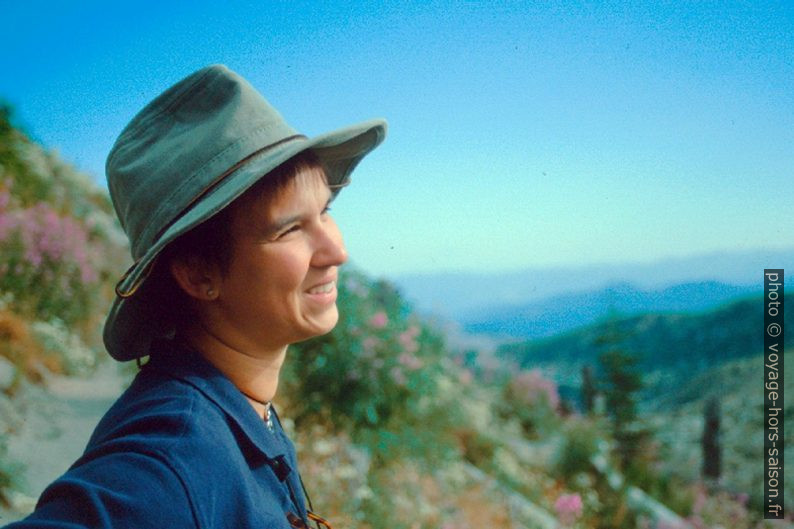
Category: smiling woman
<point>236,257</point>
<point>276,285</point>
<point>283,269</point>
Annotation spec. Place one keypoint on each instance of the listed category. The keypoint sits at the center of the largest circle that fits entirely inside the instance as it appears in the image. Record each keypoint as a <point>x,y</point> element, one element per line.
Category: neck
<point>254,374</point>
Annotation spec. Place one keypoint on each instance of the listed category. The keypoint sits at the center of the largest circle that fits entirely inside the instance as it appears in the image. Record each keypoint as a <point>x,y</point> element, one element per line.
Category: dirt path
<point>57,424</point>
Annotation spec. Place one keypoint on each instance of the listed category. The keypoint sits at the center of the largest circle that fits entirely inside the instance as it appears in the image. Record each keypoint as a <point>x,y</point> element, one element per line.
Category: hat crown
<point>181,143</point>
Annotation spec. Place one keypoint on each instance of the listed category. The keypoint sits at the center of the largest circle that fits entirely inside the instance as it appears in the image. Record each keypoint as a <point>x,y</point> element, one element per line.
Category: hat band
<point>207,189</point>
<point>128,293</point>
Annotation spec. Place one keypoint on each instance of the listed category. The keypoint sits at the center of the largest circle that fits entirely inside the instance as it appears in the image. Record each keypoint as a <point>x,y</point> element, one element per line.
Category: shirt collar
<point>183,363</point>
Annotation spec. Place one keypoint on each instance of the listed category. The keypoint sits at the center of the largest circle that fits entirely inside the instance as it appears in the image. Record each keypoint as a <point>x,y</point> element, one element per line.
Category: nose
<point>330,248</point>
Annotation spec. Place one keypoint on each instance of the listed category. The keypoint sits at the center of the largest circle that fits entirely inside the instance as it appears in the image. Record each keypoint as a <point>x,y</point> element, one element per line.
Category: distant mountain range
<point>682,344</point>
<point>465,297</point>
<point>564,312</point>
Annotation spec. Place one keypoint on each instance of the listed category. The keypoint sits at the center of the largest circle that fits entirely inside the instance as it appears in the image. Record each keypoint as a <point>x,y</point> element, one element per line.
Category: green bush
<point>578,448</point>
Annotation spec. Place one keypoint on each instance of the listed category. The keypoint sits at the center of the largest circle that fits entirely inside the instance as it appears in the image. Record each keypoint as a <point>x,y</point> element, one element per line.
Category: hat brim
<point>131,324</point>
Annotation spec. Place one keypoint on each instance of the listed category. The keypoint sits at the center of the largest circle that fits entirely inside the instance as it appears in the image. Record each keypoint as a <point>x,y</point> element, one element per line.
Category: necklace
<point>268,410</point>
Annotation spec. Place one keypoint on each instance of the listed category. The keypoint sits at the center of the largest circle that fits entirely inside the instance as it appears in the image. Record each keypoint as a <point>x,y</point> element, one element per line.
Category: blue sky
<point>520,135</point>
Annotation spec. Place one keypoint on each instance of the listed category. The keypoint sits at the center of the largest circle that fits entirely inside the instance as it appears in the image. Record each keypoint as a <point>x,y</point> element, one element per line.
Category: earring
<point>210,292</point>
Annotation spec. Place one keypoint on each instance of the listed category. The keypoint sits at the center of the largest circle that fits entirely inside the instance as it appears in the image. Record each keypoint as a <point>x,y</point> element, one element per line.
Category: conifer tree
<point>710,442</point>
<point>588,390</point>
<point>621,381</point>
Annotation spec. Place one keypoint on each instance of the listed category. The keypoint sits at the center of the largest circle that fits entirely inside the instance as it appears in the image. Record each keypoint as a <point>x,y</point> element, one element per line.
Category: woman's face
<point>280,287</point>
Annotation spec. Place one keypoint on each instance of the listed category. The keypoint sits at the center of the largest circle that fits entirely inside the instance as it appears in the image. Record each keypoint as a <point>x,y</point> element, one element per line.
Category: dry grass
<point>19,347</point>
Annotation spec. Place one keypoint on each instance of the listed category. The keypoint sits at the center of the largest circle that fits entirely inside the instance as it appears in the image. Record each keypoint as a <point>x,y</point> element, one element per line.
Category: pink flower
<point>379,320</point>
<point>353,285</point>
<point>370,343</point>
<point>532,386</point>
<point>569,508</point>
<point>409,361</point>
<point>398,376</point>
<point>6,225</point>
<point>742,498</point>
<point>407,339</point>
<point>412,331</point>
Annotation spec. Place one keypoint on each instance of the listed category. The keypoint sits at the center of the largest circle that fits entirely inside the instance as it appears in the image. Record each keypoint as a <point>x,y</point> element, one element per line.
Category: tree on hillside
<point>29,186</point>
<point>588,389</point>
<point>710,442</point>
<point>10,163</point>
<point>621,381</point>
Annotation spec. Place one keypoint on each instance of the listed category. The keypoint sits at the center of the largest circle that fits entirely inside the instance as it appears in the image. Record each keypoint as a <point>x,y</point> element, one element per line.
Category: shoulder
<point>164,428</point>
<point>165,418</point>
<point>116,489</point>
<point>135,468</point>
<point>182,447</point>
<point>144,463</point>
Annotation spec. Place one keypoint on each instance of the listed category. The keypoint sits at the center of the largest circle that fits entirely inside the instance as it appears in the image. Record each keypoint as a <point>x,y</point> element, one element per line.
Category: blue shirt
<point>181,448</point>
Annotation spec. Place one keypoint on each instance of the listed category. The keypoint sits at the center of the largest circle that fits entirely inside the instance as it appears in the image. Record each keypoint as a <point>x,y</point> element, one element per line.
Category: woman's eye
<point>326,210</point>
<point>288,231</point>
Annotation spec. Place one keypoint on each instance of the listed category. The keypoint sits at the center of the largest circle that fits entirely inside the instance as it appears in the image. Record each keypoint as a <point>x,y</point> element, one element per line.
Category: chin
<point>322,325</point>
<point>329,322</point>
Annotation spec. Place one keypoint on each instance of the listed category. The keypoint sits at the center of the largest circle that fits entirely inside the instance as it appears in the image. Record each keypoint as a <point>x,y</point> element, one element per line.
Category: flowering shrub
<point>58,242</point>
<point>532,400</point>
<point>532,388</point>
<point>48,264</point>
<point>376,375</point>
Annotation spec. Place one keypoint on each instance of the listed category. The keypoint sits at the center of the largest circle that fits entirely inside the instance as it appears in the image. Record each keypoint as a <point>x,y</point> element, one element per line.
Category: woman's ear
<point>196,278</point>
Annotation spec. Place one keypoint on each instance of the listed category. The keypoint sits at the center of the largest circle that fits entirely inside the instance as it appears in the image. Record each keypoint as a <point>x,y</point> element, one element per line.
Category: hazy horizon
<point>458,294</point>
<point>786,252</point>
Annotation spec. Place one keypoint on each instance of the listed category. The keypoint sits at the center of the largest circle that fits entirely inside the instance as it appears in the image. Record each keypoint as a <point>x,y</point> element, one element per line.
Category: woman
<point>236,257</point>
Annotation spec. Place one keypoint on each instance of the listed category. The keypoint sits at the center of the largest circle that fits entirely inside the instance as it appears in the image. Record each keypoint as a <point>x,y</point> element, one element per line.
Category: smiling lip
<point>324,292</point>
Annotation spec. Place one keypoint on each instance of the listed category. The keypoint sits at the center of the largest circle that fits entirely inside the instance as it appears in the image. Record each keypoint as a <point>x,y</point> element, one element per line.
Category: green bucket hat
<point>186,156</point>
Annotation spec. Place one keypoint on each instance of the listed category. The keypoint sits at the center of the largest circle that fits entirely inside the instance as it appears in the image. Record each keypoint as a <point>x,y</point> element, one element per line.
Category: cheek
<point>286,272</point>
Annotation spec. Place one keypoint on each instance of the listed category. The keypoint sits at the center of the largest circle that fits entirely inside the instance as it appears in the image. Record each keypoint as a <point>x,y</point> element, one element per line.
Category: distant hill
<point>562,313</point>
<point>678,343</point>
<point>457,295</point>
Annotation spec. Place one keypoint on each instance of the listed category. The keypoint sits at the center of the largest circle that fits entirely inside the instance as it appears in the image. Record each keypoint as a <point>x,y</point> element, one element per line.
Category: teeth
<point>322,289</point>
